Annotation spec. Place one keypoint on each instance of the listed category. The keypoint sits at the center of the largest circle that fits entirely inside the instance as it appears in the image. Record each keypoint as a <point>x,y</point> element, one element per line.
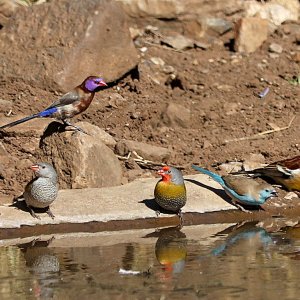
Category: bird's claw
<point>240,207</point>
<point>157,212</point>
<point>33,214</point>
<point>180,215</point>
<point>77,128</point>
<point>50,214</point>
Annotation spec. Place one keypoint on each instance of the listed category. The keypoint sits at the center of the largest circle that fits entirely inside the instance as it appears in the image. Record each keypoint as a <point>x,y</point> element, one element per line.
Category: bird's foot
<point>34,241</point>
<point>240,207</point>
<point>50,214</point>
<point>77,128</point>
<point>33,214</point>
<point>180,215</point>
<point>157,212</point>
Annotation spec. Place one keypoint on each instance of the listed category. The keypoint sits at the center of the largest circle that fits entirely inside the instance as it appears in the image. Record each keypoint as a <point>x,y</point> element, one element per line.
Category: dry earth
<point>217,85</point>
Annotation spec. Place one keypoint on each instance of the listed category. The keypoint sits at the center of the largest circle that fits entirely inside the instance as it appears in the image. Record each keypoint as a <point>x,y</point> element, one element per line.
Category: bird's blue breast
<point>48,112</point>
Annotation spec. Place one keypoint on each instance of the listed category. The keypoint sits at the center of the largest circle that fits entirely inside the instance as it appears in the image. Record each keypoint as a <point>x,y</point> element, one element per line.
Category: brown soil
<point>218,85</point>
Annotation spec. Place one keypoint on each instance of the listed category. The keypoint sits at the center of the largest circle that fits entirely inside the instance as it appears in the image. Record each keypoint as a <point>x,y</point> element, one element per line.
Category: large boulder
<point>250,33</point>
<point>57,44</point>
<point>170,9</point>
<point>81,160</point>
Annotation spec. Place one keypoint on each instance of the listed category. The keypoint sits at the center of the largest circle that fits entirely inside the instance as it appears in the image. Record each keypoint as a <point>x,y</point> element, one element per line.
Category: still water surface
<point>220,261</point>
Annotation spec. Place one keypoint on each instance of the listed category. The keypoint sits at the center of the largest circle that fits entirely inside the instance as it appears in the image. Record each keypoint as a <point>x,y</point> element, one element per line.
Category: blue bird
<point>254,234</point>
<point>72,103</point>
<point>242,190</point>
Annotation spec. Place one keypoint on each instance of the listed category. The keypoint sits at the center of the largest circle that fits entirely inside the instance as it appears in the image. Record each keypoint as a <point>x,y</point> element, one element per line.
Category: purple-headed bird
<point>69,105</point>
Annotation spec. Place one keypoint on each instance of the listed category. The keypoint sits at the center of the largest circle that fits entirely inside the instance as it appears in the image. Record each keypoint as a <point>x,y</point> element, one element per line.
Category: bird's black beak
<point>274,194</point>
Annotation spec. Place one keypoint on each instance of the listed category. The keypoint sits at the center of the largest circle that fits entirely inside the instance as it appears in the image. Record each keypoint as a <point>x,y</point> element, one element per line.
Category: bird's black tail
<point>19,121</point>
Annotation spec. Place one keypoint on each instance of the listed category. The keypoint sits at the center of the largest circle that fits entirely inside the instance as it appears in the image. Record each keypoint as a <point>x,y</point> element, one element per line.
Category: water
<point>221,261</point>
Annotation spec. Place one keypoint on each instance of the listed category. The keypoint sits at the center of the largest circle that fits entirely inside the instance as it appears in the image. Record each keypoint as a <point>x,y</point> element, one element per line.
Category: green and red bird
<point>170,191</point>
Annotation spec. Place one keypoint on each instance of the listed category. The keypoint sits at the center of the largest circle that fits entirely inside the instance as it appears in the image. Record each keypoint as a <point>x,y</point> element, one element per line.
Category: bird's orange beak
<point>102,83</point>
<point>161,172</point>
<point>34,168</point>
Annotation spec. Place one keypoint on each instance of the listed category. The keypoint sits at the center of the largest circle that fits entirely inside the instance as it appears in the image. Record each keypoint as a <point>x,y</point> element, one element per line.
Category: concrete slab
<point>128,202</point>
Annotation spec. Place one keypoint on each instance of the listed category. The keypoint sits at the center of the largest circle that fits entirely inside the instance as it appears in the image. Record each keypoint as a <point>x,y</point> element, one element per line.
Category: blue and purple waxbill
<point>69,105</point>
<point>242,190</point>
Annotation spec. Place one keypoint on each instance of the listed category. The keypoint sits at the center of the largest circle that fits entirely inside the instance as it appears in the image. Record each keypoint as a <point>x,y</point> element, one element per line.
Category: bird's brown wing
<point>240,184</point>
<point>66,99</point>
<point>290,163</point>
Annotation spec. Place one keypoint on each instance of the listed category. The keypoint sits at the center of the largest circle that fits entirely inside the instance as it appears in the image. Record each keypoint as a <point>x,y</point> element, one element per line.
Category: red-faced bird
<point>170,191</point>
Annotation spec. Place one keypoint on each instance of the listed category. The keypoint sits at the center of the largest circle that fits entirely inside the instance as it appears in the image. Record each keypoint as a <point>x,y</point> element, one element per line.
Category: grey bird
<point>41,191</point>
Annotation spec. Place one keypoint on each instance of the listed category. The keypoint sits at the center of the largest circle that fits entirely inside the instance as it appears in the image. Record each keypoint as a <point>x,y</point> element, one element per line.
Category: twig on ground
<point>142,161</point>
<point>261,134</point>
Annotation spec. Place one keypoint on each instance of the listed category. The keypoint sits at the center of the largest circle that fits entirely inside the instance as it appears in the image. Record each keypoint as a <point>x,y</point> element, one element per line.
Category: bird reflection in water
<point>44,266</point>
<point>245,232</point>
<point>293,233</point>
<point>171,251</point>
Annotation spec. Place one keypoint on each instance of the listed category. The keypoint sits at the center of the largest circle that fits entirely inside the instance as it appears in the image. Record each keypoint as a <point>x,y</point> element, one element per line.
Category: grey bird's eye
<point>43,167</point>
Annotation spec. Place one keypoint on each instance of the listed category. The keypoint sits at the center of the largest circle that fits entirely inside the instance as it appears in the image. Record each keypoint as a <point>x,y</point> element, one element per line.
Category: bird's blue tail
<point>19,121</point>
<point>45,113</point>
<point>214,176</point>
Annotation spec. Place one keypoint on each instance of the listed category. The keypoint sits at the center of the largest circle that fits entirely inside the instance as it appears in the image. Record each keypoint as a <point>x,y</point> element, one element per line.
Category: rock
<point>134,174</point>
<point>250,33</point>
<point>5,105</point>
<point>290,196</point>
<point>253,161</point>
<point>233,166</point>
<point>154,8</point>
<point>157,61</point>
<point>146,151</point>
<point>276,11</point>
<point>3,151</point>
<point>219,25</point>
<point>176,115</point>
<point>34,128</point>
<point>72,39</point>
<point>135,32</point>
<point>275,48</point>
<point>172,9</point>
<point>115,100</point>
<point>98,133</point>
<point>296,57</point>
<point>178,42</point>
<point>81,160</point>
<point>206,144</point>
<point>225,87</point>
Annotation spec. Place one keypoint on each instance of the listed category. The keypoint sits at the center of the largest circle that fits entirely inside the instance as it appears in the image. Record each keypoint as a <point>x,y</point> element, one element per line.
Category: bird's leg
<point>180,215</point>
<point>33,213</point>
<point>157,212</point>
<point>67,123</point>
<point>50,214</point>
<point>240,207</point>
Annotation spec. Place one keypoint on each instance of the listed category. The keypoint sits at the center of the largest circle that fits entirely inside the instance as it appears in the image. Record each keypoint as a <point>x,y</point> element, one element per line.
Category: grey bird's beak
<point>34,168</point>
